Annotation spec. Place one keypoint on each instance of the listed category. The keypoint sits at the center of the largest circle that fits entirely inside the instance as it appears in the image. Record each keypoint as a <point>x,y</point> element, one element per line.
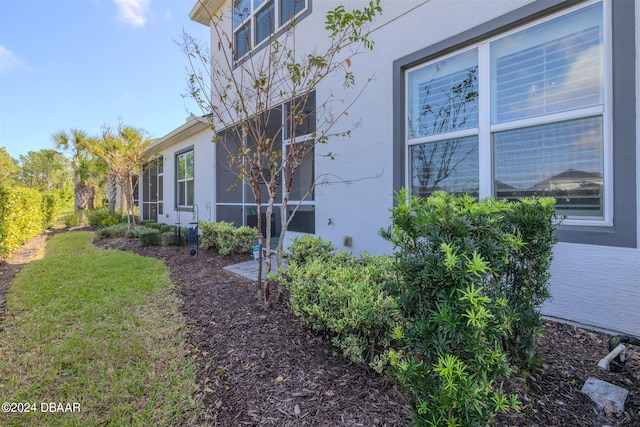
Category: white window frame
<point>250,23</point>
<point>485,129</point>
<point>182,183</point>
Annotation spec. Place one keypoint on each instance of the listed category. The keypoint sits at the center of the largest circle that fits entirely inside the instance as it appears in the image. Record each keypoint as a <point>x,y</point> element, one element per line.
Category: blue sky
<point>83,63</point>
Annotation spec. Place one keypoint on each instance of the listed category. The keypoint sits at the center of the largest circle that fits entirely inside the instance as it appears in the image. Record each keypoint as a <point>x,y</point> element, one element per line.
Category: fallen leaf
<point>279,379</point>
<point>219,404</point>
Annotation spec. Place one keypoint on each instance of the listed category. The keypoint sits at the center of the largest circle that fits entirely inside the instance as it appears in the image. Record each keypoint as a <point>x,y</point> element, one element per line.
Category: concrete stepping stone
<point>608,397</point>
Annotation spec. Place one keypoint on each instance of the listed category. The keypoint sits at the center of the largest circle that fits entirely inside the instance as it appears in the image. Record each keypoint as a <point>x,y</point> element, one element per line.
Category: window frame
<point>619,225</point>
<point>249,23</point>
<point>177,181</point>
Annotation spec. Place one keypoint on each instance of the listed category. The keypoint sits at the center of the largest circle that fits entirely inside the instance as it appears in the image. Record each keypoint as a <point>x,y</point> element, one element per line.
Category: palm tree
<point>123,151</point>
<point>86,169</point>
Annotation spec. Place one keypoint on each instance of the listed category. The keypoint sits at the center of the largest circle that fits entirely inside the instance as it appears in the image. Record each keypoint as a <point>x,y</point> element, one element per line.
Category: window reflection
<point>562,160</point>
<point>443,97</point>
<point>450,165</point>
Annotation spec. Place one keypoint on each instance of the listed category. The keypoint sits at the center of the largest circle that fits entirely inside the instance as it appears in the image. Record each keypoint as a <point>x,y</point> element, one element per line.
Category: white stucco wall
<point>204,176</point>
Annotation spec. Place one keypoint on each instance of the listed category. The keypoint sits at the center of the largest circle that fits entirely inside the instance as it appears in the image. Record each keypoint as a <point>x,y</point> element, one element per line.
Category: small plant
<point>102,218</point>
<point>72,220</point>
<point>226,239</point>
<point>346,297</point>
<point>113,231</point>
<point>245,238</point>
<point>134,232</point>
<point>307,248</point>
<point>150,237</point>
<point>169,238</point>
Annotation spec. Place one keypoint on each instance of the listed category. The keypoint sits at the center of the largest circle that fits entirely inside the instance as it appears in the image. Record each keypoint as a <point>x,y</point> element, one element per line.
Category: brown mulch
<point>262,367</point>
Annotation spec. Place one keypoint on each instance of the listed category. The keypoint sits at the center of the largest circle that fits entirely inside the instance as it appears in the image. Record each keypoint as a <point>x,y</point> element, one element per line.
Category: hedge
<point>24,213</point>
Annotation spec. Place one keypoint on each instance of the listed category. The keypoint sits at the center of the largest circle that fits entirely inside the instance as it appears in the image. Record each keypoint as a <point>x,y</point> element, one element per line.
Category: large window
<point>254,21</point>
<point>527,109</point>
<point>556,114</point>
<point>184,180</point>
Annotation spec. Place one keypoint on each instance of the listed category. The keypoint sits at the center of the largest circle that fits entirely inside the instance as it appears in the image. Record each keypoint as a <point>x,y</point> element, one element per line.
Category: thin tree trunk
<point>123,197</point>
<point>112,192</point>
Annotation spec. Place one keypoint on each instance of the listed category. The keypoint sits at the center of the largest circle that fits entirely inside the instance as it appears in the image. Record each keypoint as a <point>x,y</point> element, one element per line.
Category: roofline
<point>193,126</point>
<point>204,10</point>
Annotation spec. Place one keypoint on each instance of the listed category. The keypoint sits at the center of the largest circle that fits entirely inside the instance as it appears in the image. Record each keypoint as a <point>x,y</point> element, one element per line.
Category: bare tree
<point>244,94</point>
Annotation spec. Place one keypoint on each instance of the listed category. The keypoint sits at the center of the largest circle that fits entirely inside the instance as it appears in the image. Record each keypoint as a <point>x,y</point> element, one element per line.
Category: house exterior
<point>511,99</point>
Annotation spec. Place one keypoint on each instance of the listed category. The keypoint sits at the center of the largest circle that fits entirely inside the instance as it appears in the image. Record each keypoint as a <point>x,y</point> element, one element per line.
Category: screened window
<point>184,179</point>
<point>152,189</point>
<point>234,198</point>
<point>533,120</point>
<point>254,21</point>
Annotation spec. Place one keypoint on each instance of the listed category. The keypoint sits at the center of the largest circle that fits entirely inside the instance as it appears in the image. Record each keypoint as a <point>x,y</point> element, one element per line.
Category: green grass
<point>99,328</point>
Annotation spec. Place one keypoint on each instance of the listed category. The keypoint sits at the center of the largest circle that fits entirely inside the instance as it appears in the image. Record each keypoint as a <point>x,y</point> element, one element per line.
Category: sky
<point>80,64</point>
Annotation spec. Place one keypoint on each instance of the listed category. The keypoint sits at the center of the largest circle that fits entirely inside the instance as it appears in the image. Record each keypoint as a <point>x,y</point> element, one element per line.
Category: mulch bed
<point>262,367</point>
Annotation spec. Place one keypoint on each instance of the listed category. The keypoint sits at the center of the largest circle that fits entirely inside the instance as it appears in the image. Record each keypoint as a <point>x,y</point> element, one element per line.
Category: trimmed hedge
<point>102,218</point>
<point>24,213</point>
<point>150,237</point>
<point>344,296</point>
<point>225,238</point>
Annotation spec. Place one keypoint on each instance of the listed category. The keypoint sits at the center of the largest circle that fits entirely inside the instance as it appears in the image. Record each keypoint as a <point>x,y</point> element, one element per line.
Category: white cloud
<point>9,61</point>
<point>133,12</point>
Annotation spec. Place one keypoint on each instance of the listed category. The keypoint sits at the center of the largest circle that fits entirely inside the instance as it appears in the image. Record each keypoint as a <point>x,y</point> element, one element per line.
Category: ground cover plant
<point>98,328</point>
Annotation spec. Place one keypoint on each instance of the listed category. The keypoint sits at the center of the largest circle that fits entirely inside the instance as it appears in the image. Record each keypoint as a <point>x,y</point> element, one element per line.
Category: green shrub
<point>461,266</point>
<point>113,231</point>
<point>102,218</point>
<point>226,239</point>
<point>150,237</point>
<point>245,238</point>
<point>146,222</point>
<point>134,232</point>
<point>72,220</point>
<point>346,297</point>
<point>526,275</point>
<point>50,208</point>
<point>169,238</point>
<point>306,248</point>
<point>164,228</point>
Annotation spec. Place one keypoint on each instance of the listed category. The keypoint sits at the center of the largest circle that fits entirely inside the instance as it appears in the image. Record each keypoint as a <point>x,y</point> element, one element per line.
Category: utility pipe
<point>620,350</point>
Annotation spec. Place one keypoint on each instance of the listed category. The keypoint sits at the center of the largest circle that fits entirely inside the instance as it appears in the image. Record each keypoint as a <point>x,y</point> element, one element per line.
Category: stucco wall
<point>204,190</point>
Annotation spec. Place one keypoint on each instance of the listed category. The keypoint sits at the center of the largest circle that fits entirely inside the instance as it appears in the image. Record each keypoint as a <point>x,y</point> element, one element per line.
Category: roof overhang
<point>204,10</point>
<point>193,126</point>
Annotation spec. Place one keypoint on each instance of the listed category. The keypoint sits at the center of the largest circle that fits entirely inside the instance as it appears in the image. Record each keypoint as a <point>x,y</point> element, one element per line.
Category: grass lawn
<point>97,333</point>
